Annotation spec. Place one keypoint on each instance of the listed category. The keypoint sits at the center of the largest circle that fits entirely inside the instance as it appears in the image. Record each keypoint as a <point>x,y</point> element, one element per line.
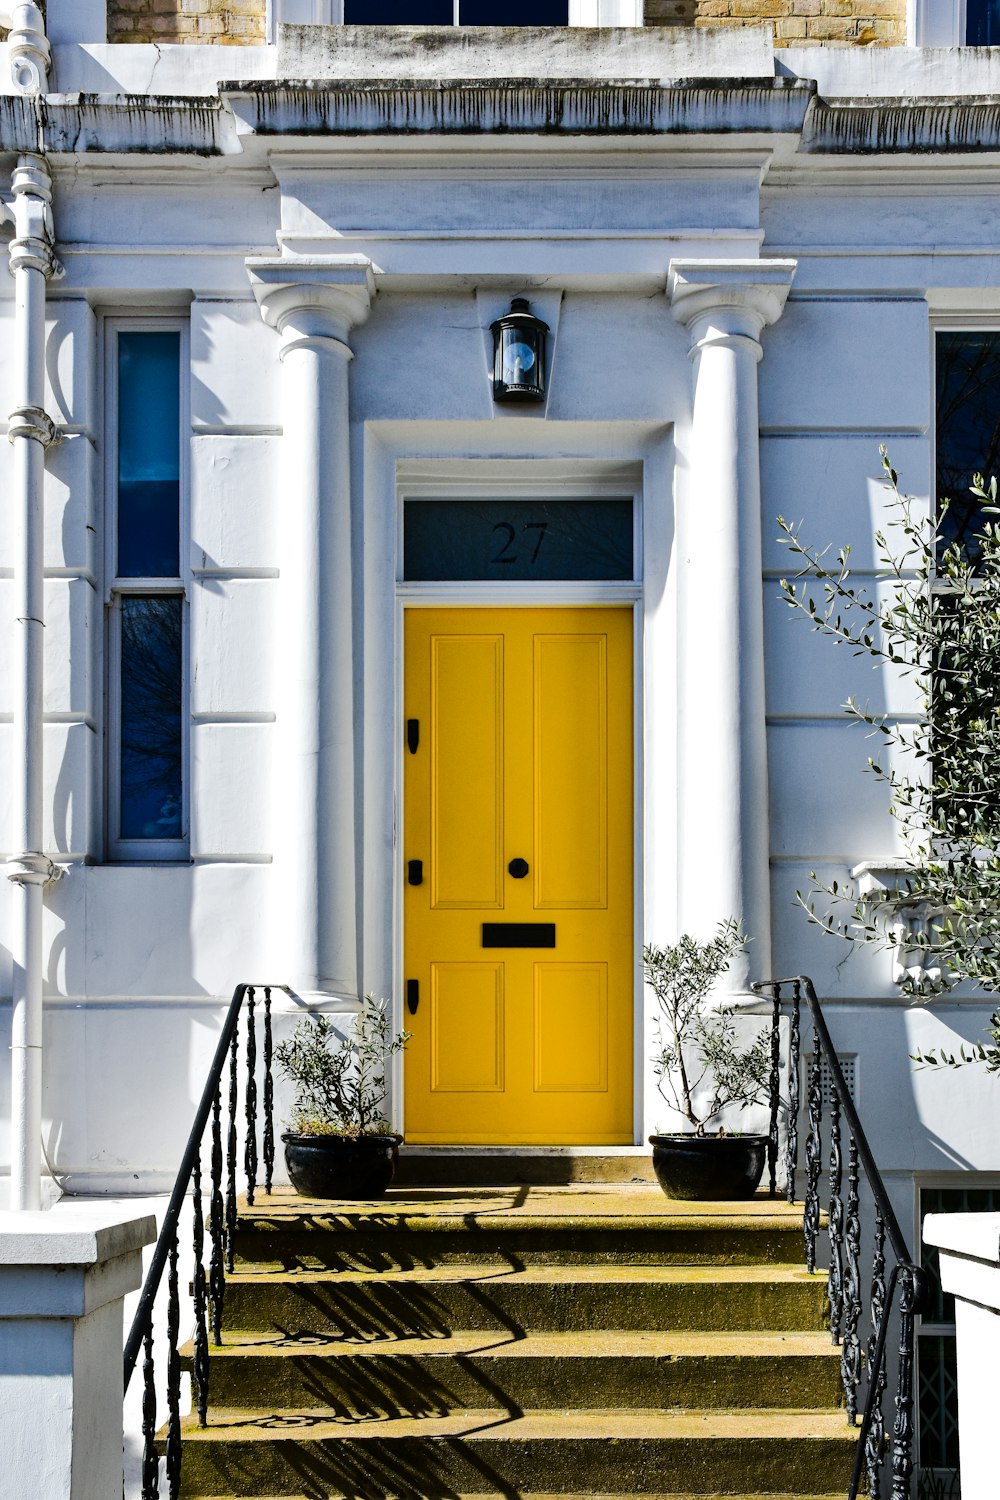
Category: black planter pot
<point>332,1166</point>
<point>709,1166</point>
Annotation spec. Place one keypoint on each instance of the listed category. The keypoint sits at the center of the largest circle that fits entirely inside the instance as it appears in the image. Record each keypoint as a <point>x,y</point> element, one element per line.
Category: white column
<point>63,1275</point>
<point>30,432</point>
<point>969,1248</point>
<point>724,844</point>
<point>314,305</point>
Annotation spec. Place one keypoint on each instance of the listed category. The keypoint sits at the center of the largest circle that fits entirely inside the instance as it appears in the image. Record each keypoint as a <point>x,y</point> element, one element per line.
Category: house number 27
<point>506,534</point>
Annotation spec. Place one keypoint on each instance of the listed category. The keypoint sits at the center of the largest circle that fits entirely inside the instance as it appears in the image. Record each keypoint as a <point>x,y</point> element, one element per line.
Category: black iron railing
<point>208,1284</point>
<point>886,1458</point>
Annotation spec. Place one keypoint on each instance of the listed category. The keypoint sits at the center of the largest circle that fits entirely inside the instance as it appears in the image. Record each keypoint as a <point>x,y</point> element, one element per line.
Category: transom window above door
<point>523,540</point>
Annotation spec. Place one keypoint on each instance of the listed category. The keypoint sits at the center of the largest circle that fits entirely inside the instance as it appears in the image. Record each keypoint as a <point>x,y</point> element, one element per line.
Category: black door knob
<point>518,868</point>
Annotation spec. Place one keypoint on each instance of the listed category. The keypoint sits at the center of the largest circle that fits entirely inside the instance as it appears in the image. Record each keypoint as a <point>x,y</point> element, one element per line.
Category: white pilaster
<point>314,305</point>
<point>723,750</point>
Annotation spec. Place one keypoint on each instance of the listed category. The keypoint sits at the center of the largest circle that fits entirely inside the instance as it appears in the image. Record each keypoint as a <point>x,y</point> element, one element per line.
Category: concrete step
<point>422,1377</point>
<point>434,1300</point>
<point>541,1166</point>
<point>286,1452</point>
<point>513,1227</point>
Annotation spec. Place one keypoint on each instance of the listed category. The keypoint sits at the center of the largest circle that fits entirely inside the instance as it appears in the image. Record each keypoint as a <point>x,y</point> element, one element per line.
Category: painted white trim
<point>935,23</point>
<point>115,848</point>
<point>580,480</point>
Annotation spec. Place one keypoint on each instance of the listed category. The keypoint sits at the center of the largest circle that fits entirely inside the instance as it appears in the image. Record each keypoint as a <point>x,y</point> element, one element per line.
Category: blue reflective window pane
<point>148,455</point>
<point>445,540</point>
<point>513,12</point>
<point>982,23</point>
<point>398,12</point>
<point>967,421</point>
<point>151,725</point>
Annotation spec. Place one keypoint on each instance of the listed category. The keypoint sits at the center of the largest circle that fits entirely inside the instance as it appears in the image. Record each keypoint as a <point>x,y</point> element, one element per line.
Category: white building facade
<point>279,469</point>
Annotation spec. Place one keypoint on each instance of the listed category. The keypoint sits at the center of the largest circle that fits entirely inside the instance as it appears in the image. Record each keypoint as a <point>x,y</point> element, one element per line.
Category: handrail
<point>844,1228</point>
<point>209,1288</point>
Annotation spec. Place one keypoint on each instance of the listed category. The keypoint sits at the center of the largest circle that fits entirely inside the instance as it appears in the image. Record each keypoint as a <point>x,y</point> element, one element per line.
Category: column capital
<point>312,298</point>
<point>728,298</point>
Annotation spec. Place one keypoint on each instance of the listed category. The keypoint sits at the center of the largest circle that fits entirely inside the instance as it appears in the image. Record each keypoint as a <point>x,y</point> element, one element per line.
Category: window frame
<point>331,13</point>
<point>119,850</point>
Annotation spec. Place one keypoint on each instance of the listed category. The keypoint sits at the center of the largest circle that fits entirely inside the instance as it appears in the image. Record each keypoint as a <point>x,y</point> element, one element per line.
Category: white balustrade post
<point>969,1255</point>
<point>314,305</point>
<point>724,836</point>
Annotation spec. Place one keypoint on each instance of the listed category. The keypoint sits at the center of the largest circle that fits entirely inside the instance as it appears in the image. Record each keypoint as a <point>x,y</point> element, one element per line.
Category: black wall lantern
<point>519,354</point>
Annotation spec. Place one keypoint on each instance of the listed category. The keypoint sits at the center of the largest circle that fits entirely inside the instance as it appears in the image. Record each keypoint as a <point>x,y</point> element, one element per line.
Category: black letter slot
<point>519,934</point>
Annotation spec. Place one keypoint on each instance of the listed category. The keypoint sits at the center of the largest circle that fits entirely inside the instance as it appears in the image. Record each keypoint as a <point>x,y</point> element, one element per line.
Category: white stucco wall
<point>140,960</point>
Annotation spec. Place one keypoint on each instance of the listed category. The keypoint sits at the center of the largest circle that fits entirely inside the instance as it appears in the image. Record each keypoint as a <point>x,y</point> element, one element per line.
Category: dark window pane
<point>982,23</point>
<point>967,425</point>
<point>514,12</point>
<point>399,12</point>
<point>151,727</point>
<point>517,539</point>
<point>938,1402</point>
<point>148,455</point>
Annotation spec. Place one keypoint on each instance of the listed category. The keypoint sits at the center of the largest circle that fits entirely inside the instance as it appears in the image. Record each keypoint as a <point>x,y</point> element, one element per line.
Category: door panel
<point>570,791</point>
<point>466,747</point>
<point>525,753</point>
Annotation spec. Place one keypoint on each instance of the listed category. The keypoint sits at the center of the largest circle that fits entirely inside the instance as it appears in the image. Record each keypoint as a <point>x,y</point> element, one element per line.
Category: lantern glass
<point>519,355</point>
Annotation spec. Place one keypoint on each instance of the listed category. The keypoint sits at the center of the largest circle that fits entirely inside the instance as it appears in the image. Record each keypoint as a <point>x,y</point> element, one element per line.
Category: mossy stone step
<point>421,1377</point>
<point>513,1227</point>
<point>436,1300</point>
<point>617,1453</point>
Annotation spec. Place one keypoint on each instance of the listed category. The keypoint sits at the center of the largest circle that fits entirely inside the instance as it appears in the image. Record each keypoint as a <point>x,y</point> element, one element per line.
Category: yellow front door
<point>518,849</point>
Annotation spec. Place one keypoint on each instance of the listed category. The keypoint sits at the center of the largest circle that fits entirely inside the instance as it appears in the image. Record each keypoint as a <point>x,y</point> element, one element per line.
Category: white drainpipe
<point>30,432</point>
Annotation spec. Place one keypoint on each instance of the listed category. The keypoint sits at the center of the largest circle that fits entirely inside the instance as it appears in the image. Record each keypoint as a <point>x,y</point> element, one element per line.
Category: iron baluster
<point>173,1452</point>
<point>209,1283</point>
<point>875,1447</point>
<point>902,1427</point>
<point>870,1453</point>
<point>836,1282</point>
<point>268,1095</point>
<point>814,1153</point>
<point>794,1053</point>
<point>250,1153</point>
<point>150,1457</point>
<point>200,1370</point>
<point>216,1225</point>
<point>774,1092</point>
<point>234,1060</point>
<point>850,1354</point>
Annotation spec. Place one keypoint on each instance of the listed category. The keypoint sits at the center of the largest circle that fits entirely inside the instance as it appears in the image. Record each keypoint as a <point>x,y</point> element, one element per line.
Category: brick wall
<point>229,22</point>
<point>797,23</point>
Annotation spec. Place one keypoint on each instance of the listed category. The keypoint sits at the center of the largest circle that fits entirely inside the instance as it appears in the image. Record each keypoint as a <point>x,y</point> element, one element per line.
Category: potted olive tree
<point>701,1070</point>
<point>340,1145</point>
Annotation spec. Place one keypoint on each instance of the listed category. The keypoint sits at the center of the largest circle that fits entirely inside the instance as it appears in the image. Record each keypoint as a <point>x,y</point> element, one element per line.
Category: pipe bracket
<point>32,868</point>
<point>32,422</point>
